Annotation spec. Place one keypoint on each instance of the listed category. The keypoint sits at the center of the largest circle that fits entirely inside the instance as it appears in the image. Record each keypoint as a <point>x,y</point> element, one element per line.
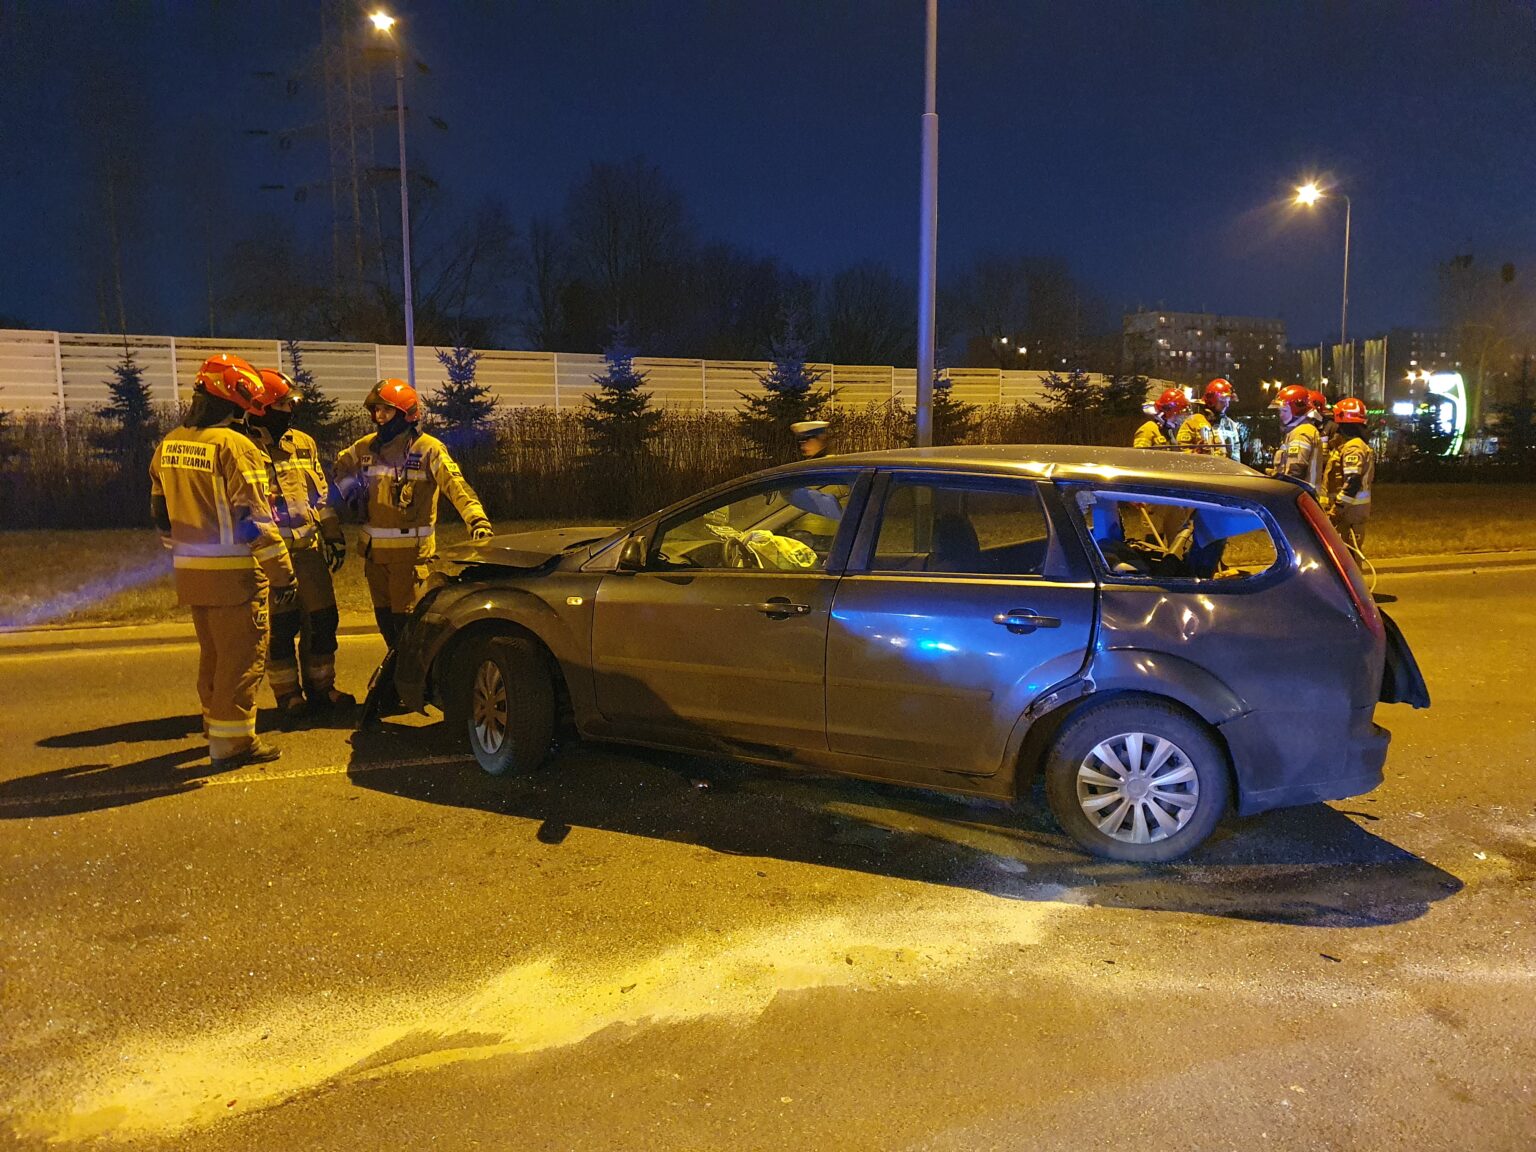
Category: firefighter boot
<point>258,752</point>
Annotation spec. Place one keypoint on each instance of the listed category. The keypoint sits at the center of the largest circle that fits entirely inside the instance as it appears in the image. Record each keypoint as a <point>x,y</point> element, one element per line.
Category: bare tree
<point>1488,313</point>
<point>867,317</point>
<point>546,274</point>
<point>629,234</point>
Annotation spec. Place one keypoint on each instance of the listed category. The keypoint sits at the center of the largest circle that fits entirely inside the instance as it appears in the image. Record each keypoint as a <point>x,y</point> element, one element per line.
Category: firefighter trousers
<point>1350,521</point>
<point>310,625</point>
<point>233,640</point>
<point>394,589</point>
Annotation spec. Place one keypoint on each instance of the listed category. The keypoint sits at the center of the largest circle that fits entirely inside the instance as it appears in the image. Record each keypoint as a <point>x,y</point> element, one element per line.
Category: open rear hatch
<point>1401,680</point>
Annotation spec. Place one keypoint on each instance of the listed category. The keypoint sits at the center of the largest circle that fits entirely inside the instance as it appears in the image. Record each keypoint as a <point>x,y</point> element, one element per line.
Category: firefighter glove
<point>284,599</point>
<point>335,554</point>
<point>480,532</point>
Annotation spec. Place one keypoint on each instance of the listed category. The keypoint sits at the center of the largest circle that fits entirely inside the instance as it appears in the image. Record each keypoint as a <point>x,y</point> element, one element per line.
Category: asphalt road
<point>372,945</point>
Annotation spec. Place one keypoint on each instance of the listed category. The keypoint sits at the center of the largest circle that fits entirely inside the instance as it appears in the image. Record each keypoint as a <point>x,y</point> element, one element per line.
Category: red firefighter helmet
<point>1218,394</point>
<point>396,394</point>
<point>231,378</point>
<point>1173,402</point>
<point>276,386</point>
<point>1294,397</point>
<point>1319,403</point>
<point>1350,410</point>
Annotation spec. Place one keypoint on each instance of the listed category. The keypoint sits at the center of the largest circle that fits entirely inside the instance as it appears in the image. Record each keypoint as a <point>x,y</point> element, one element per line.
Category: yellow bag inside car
<point>760,548</point>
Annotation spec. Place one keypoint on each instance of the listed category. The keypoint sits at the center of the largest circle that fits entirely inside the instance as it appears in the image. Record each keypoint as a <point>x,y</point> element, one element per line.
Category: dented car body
<point>1165,638</point>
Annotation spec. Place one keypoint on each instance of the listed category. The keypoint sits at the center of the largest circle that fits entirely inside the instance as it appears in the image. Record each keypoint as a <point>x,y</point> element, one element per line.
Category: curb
<point>25,641</point>
<point>1459,561</point>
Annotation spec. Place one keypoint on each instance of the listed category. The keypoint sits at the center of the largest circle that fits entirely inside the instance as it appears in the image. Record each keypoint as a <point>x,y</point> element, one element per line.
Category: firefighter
<point>1322,416</point>
<point>1351,471</point>
<point>1168,412</point>
<point>304,510</point>
<point>1226,433</point>
<point>812,437</point>
<point>1299,455</point>
<point>208,497</point>
<point>393,477</point>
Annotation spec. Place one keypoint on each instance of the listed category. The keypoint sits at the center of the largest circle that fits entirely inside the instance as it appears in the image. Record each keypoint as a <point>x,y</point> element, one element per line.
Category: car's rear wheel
<point>1136,780</point>
<point>506,704</point>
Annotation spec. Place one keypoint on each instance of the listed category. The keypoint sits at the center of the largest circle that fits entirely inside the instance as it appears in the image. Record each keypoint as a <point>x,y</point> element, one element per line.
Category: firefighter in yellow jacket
<point>393,477</point>
<point>1168,412</point>
<point>1351,472</point>
<point>208,496</point>
<point>306,516</point>
<point>1301,453</point>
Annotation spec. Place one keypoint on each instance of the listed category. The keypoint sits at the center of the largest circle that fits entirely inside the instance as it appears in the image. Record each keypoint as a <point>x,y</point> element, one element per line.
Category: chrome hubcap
<point>1137,788</point>
<point>489,707</point>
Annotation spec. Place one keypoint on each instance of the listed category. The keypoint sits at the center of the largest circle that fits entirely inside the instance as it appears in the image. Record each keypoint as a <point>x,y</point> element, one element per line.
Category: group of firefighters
<point>252,520</point>
<point>1325,445</point>
<point>243,502</point>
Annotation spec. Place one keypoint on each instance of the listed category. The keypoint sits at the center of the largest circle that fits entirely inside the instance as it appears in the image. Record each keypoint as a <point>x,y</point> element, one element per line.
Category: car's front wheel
<point>1136,780</point>
<point>505,701</point>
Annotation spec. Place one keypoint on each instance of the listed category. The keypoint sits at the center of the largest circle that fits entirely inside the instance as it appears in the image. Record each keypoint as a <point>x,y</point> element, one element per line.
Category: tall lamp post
<point>385,25</point>
<point>1307,195</point>
<point>928,229</point>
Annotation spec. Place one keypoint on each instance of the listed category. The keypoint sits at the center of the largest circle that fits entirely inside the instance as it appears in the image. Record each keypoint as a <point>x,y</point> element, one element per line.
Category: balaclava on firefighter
<point>276,421</point>
<point>205,410</point>
<point>391,429</point>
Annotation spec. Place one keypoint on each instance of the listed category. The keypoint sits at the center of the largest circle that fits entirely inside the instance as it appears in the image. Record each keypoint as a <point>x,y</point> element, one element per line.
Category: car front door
<point>722,635</point>
<point>960,607</point>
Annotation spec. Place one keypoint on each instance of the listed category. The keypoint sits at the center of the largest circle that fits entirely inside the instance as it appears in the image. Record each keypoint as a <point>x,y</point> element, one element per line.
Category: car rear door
<point>960,607</point>
<point>705,646</point>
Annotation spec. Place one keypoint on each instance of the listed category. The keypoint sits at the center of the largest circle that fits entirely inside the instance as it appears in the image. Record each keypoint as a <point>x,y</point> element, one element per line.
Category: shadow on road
<point>92,787</point>
<point>132,732</point>
<point>1308,866</point>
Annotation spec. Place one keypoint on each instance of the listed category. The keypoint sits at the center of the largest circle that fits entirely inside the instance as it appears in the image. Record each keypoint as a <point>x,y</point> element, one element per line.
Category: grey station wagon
<point>1166,638</point>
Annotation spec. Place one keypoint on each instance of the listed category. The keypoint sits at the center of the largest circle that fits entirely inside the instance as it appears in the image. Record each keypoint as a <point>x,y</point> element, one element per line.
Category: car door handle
<point>780,608</point>
<point>1023,620</point>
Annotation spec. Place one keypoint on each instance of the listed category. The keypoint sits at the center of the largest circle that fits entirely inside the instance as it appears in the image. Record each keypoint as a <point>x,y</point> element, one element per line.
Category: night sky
<point>1151,144</point>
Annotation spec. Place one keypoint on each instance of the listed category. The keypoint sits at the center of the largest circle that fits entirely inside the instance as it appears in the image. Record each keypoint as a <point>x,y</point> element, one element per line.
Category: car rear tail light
<point>1343,563</point>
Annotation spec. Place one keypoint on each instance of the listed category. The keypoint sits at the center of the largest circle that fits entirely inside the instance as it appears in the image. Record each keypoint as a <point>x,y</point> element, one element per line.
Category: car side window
<point>974,528</point>
<point>1169,536</point>
<point>787,527</point>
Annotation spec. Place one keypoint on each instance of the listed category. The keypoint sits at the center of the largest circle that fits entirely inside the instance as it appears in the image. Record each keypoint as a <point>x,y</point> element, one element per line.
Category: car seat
<point>955,546</point>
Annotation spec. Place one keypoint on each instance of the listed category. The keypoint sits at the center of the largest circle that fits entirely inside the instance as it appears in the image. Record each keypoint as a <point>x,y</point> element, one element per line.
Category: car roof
<point>1085,462</point>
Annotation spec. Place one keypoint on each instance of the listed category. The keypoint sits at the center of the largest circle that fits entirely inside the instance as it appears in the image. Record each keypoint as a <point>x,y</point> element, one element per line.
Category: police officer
<point>208,497</point>
<point>1300,455</point>
<point>303,507</point>
<point>813,438</point>
<point>394,476</point>
<point>1351,472</point>
<point>1168,413</point>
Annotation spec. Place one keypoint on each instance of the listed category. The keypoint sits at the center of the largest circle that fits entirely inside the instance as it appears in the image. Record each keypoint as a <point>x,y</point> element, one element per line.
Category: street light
<point>1307,195</point>
<point>384,24</point>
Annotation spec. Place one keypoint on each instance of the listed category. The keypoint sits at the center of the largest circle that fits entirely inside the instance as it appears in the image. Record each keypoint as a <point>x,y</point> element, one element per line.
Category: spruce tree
<point>1071,408</point>
<point>789,395</point>
<point>953,420</point>
<point>315,413</point>
<point>130,429</point>
<point>461,404</point>
<point>620,425</point>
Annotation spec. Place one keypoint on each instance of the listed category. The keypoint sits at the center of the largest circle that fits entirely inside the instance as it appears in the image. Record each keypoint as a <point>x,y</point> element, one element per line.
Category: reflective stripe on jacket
<point>301,496</point>
<point>224,543</point>
<point>1151,435</point>
<point>397,485</point>
<point>1300,456</point>
<point>1196,435</point>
